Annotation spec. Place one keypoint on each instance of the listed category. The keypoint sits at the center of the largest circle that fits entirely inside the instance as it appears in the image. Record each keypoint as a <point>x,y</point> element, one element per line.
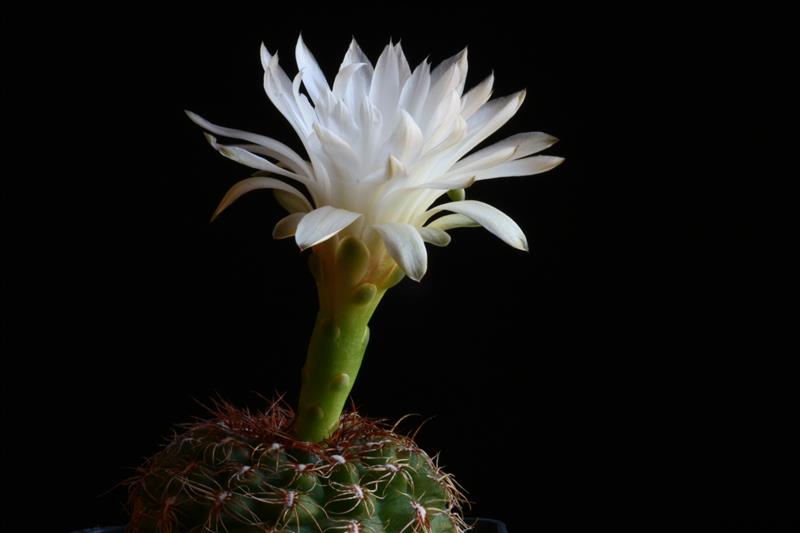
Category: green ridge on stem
<point>340,335</point>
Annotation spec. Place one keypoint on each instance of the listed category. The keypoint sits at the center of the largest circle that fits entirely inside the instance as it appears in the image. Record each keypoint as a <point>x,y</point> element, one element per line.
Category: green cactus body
<point>243,473</point>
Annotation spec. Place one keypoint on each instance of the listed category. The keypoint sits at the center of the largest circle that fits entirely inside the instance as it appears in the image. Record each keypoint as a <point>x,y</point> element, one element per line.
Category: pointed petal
<point>491,218</point>
<point>415,90</point>
<point>434,236</point>
<point>358,87</point>
<point>440,94</point>
<point>321,224</point>
<point>460,61</point>
<point>454,220</point>
<point>302,103</point>
<point>266,57</point>
<point>402,64</point>
<point>278,88</point>
<point>489,118</point>
<point>385,89</point>
<point>443,121</point>
<point>477,96</point>
<point>356,55</point>
<point>272,148</point>
<point>313,78</point>
<point>524,144</point>
<point>287,226</point>
<point>405,245</point>
<point>484,160</point>
<point>252,184</point>
<point>521,167</point>
<point>244,157</point>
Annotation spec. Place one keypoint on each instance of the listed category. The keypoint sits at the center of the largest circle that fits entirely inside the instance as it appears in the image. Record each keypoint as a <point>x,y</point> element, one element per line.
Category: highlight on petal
<point>287,226</point>
<point>477,96</point>
<point>521,167</point>
<point>255,183</point>
<point>491,218</point>
<point>405,245</point>
<point>321,224</point>
<point>313,78</point>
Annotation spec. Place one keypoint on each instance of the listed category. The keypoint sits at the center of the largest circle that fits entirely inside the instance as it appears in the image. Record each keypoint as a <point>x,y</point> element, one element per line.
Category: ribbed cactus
<point>241,472</point>
<point>384,144</point>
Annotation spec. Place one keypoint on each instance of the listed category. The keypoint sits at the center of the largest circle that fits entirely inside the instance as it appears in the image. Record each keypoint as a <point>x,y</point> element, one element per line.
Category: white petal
<point>287,226</point>
<point>291,202</point>
<point>529,143</point>
<point>303,105</point>
<point>489,118</point>
<point>487,159</point>
<point>514,147</point>
<point>521,167</point>
<point>491,218</point>
<point>477,96</point>
<point>321,224</point>
<point>385,89</point>
<point>415,90</point>
<point>272,148</point>
<point>448,184</point>
<point>406,141</point>
<point>279,90</point>
<point>434,236</point>
<point>266,57</point>
<point>459,60</point>
<point>439,94</point>
<point>454,220</point>
<point>313,78</point>
<point>356,55</point>
<point>242,156</point>
<point>402,64</point>
<point>443,120</point>
<point>342,81</point>
<point>405,245</point>
<point>359,83</point>
<point>341,154</point>
<point>252,184</point>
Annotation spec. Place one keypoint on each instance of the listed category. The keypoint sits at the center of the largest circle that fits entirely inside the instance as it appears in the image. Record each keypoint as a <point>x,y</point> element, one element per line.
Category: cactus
<point>243,472</point>
<point>384,145</point>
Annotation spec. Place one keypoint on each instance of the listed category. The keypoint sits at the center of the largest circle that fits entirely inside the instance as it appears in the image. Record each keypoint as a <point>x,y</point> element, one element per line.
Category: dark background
<point>621,374</point>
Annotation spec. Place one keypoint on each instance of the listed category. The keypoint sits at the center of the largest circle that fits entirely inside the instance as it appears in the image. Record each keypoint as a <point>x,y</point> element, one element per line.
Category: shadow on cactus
<point>384,145</point>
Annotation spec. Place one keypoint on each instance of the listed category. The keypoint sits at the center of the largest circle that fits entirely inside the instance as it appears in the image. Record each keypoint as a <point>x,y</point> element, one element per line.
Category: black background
<point>620,374</point>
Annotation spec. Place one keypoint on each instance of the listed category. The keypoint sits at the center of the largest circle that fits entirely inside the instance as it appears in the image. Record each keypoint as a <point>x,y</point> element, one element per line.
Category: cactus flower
<point>384,143</point>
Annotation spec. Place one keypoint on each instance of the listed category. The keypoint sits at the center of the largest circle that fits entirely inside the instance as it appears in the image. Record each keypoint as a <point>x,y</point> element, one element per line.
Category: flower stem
<point>340,336</point>
<point>334,359</point>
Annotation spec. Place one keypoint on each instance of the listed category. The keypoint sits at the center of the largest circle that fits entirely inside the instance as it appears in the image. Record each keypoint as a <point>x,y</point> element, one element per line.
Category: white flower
<point>384,144</point>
